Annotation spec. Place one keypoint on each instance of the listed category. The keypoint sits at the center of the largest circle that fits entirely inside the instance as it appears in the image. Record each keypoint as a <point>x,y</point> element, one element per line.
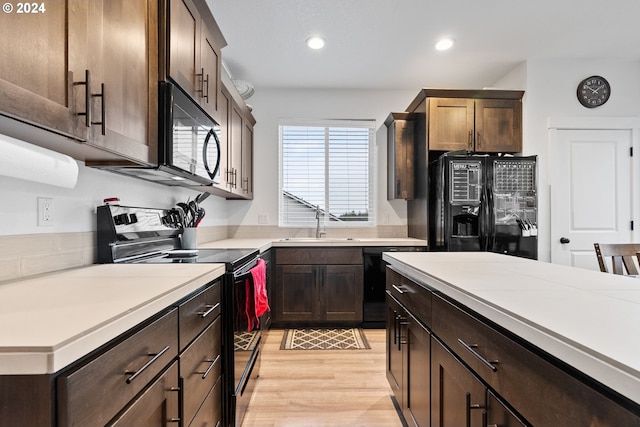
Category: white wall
<point>74,209</point>
<point>550,91</point>
<point>271,105</point>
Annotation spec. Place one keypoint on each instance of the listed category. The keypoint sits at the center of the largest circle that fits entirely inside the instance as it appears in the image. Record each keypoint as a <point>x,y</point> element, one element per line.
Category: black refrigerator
<point>483,203</point>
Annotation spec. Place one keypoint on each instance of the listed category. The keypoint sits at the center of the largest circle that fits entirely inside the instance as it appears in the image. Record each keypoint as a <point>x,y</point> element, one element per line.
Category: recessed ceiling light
<point>315,42</point>
<point>444,44</point>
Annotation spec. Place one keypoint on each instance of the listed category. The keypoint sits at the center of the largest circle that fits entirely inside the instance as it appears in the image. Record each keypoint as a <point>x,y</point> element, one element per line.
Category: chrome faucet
<point>319,232</point>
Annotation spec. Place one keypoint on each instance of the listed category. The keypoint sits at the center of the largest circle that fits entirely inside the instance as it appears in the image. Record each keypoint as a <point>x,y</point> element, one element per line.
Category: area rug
<point>324,339</point>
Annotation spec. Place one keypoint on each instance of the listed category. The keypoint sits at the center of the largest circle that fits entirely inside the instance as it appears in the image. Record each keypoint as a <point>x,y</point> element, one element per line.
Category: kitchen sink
<point>318,239</point>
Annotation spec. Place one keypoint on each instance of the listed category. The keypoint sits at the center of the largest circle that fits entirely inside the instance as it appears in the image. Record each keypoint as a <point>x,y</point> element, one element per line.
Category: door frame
<point>629,123</point>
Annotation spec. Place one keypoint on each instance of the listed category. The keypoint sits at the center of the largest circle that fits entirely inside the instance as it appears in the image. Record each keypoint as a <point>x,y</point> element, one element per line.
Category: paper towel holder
<point>33,163</point>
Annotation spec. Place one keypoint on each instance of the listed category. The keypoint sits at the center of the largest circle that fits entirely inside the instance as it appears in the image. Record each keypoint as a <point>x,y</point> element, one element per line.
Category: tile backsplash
<point>22,256</point>
<point>32,254</point>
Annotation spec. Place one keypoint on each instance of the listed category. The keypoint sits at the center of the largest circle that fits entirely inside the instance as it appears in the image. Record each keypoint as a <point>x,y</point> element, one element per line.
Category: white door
<point>590,193</point>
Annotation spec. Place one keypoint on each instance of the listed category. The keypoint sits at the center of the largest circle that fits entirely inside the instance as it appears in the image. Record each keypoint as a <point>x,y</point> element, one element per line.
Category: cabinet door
<point>498,125</point>
<point>235,146</point>
<point>341,291</point>
<point>210,69</point>
<point>395,316</point>
<point>451,124</point>
<point>296,293</point>
<point>184,45</point>
<point>224,116</point>
<point>417,402</point>
<point>157,406</point>
<point>124,74</point>
<point>457,397</point>
<point>38,51</point>
<point>400,159</point>
<point>246,172</point>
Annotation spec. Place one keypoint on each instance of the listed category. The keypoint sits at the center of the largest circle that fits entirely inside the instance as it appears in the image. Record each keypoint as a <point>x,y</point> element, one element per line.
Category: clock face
<point>594,91</point>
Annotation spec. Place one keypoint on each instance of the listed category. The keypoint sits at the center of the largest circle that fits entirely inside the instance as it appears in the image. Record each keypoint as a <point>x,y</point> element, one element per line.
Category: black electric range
<point>132,235</point>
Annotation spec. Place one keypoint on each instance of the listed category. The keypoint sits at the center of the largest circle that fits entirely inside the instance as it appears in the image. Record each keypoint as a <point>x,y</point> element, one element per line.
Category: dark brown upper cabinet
<point>477,125</point>
<point>483,121</point>
<point>194,44</point>
<point>400,140</point>
<point>87,71</point>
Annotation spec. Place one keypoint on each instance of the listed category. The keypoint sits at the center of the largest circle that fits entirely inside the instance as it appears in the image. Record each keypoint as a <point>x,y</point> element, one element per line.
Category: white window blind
<point>327,166</point>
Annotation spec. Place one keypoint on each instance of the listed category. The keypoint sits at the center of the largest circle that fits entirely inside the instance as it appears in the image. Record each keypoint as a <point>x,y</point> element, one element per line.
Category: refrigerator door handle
<point>491,219</point>
<point>482,220</point>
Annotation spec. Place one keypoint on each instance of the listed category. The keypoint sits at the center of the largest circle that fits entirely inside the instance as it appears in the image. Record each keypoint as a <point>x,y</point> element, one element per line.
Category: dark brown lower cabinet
<point>408,364</point>
<point>318,286</point>
<point>157,406</point>
<point>481,375</point>
<point>460,399</point>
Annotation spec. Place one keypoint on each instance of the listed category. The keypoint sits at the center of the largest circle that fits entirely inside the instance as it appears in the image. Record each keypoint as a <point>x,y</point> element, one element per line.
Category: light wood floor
<point>328,388</point>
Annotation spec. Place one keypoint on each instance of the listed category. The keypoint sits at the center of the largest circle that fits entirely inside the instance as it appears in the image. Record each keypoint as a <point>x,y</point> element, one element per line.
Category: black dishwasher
<point>374,308</point>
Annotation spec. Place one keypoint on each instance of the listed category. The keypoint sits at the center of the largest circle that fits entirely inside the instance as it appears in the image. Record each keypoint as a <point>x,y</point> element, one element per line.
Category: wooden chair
<point>623,257</point>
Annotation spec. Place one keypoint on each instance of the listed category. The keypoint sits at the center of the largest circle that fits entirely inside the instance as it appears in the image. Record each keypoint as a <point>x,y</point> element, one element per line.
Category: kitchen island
<point>574,321</point>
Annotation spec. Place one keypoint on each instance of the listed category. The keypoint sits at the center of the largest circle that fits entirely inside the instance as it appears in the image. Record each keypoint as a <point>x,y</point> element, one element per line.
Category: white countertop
<point>265,243</point>
<point>50,321</point>
<point>586,318</point>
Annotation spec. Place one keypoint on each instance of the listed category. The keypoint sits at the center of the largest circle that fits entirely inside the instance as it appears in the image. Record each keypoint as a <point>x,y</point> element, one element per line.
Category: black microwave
<point>189,138</point>
<point>188,144</point>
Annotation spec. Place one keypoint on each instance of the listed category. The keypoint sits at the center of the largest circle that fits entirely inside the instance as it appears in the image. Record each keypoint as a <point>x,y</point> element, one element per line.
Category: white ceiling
<point>388,44</point>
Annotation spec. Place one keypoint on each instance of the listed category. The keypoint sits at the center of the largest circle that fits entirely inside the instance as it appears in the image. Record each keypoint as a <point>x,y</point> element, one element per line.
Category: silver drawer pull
<point>173,420</point>
<point>488,364</point>
<point>211,309</point>
<point>397,288</point>
<point>146,365</point>
<point>213,363</point>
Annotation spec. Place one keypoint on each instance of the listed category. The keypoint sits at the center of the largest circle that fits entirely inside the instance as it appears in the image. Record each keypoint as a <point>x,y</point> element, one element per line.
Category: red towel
<point>259,273</point>
<point>256,296</point>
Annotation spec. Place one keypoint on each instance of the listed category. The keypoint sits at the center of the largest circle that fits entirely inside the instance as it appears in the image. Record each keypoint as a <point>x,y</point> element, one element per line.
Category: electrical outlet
<point>45,211</point>
<point>263,218</point>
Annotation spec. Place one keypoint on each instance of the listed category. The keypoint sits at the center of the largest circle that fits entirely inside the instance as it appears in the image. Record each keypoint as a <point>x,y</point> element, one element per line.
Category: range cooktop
<point>232,258</point>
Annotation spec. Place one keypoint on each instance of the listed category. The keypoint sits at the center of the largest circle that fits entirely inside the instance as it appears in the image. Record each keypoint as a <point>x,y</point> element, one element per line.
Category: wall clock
<point>593,91</point>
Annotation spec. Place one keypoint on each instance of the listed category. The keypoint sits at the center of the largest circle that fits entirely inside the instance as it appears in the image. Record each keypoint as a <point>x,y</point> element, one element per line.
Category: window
<point>327,167</point>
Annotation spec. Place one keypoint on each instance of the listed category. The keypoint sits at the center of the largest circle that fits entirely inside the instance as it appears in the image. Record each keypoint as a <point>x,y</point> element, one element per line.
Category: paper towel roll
<point>19,159</point>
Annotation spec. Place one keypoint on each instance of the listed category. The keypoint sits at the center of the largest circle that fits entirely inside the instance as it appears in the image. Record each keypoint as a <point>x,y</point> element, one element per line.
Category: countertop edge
<point>48,360</point>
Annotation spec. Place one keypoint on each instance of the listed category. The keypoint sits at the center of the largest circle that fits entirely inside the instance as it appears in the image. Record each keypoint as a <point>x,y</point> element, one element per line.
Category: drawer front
<point>416,298</point>
<point>542,392</point>
<point>322,256</point>
<point>198,312</point>
<point>200,367</point>
<point>210,413</point>
<point>93,394</point>
<point>157,406</point>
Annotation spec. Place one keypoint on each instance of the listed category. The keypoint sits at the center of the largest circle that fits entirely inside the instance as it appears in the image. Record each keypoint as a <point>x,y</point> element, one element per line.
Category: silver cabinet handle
<point>470,348</point>
<point>155,357</point>
<point>210,310</point>
<point>471,406</point>
<point>205,93</point>
<point>397,288</point>
<point>212,364</point>
<point>103,110</point>
<point>87,99</point>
